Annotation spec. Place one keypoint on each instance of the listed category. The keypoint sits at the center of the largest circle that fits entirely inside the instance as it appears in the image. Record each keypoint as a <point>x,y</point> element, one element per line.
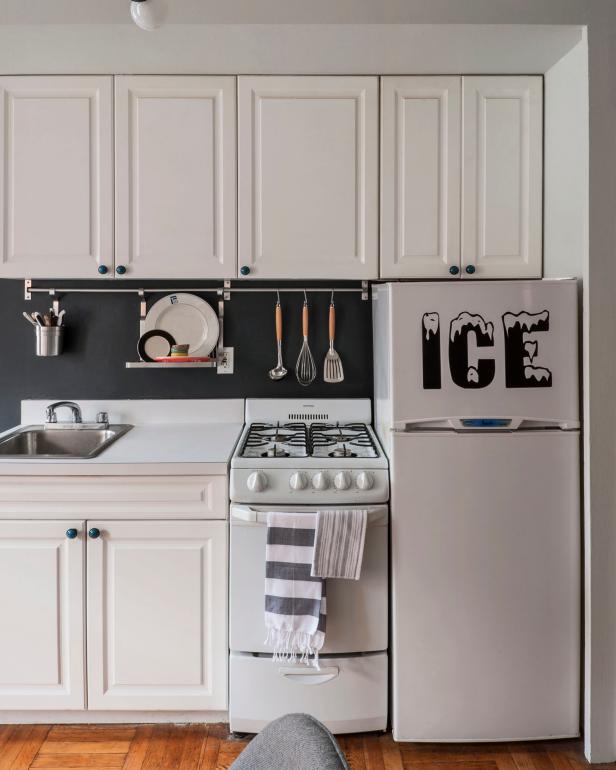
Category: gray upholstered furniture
<point>293,742</point>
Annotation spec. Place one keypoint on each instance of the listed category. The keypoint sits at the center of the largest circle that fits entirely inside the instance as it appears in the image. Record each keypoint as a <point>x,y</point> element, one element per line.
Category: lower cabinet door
<point>157,615</point>
<point>41,615</point>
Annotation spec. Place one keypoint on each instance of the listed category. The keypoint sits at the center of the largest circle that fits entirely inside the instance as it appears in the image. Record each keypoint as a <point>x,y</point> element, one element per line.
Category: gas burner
<point>341,437</point>
<point>276,440</point>
<point>342,451</point>
<point>275,451</point>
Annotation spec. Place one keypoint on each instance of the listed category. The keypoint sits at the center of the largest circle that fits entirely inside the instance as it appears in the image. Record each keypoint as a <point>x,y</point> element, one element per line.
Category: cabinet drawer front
<point>157,615</point>
<point>204,497</point>
<point>41,614</point>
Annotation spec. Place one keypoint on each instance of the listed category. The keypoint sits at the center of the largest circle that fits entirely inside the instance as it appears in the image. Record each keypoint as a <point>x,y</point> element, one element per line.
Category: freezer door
<point>491,349</point>
<point>485,586</point>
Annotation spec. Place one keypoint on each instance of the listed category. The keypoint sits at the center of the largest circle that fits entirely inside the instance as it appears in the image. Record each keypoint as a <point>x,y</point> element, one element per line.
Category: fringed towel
<point>294,599</point>
<point>339,544</point>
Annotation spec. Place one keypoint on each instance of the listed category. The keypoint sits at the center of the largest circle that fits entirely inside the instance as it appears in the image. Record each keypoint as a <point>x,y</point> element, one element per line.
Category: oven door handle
<point>376,514</point>
<point>244,513</point>
<point>309,676</point>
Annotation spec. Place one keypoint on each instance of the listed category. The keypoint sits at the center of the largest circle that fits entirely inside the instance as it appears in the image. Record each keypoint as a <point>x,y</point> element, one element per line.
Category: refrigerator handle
<point>486,422</point>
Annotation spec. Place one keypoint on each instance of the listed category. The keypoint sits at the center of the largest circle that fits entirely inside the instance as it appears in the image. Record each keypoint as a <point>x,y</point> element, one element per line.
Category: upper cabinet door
<point>502,177</point>
<point>56,217</point>
<point>308,166</point>
<point>175,177</point>
<point>420,176</point>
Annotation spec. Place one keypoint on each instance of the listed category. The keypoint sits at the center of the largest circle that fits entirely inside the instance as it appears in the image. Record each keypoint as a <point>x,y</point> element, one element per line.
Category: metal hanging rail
<point>225,290</point>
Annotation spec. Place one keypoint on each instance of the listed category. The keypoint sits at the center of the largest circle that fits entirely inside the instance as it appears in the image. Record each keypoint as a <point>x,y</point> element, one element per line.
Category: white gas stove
<point>300,452</point>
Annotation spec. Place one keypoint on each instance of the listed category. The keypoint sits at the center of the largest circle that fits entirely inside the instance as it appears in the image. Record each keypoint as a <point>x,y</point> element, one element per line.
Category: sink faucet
<point>50,411</point>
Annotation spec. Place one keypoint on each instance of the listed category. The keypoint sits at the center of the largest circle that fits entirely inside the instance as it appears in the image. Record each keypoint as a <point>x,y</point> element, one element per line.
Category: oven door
<point>357,612</point>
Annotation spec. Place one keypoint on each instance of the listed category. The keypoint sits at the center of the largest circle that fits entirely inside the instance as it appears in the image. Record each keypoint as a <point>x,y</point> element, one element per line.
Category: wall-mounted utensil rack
<point>224,356</point>
<point>224,291</point>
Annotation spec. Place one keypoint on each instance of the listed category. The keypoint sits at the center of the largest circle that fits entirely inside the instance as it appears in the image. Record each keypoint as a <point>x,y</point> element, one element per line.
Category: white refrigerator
<point>476,403</point>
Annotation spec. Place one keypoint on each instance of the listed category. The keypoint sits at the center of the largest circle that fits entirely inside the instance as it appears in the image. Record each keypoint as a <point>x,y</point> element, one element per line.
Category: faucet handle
<point>102,417</point>
<point>50,415</point>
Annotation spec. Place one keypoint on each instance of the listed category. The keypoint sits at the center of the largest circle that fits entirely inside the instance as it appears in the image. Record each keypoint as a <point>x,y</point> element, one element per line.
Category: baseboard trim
<point>111,717</point>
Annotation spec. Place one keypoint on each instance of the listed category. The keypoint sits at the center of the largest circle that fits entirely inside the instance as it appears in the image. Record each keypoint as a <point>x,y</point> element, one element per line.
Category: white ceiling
<point>26,12</point>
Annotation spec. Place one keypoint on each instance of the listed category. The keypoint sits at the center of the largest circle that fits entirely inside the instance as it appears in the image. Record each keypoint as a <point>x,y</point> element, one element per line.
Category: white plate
<point>189,319</point>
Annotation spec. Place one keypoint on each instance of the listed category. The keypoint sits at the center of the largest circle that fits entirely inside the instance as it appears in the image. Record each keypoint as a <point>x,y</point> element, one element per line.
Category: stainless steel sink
<point>64,442</point>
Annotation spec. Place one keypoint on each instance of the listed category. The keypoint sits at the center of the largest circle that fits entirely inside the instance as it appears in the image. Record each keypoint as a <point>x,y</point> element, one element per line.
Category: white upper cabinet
<point>308,177</point>
<point>175,177</point>
<point>56,146</point>
<point>461,177</point>
<point>420,176</point>
<point>157,615</point>
<point>41,615</point>
<point>502,177</point>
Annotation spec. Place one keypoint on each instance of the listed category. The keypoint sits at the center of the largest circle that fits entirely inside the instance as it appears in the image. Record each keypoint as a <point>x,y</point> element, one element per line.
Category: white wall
<point>565,231</point>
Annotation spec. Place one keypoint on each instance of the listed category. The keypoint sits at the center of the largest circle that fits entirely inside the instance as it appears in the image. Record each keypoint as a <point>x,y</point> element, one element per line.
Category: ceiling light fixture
<point>147,14</point>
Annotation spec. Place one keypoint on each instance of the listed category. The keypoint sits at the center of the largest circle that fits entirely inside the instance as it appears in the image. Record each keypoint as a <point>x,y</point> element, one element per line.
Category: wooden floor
<point>209,747</point>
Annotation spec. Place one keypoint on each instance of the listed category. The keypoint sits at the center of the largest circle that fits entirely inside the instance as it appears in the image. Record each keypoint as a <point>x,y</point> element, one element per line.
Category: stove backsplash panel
<point>102,332</point>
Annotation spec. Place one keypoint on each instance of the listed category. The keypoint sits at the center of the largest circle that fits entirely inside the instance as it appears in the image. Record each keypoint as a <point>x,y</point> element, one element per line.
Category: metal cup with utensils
<point>49,340</point>
<point>278,372</point>
<point>332,368</point>
<point>305,369</point>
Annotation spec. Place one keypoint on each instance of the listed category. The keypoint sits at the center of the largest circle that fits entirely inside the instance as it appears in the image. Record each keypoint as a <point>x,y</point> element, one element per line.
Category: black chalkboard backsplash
<point>102,332</point>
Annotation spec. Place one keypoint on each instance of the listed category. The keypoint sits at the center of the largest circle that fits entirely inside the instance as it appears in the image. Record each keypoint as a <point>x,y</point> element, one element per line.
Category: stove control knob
<point>298,481</point>
<point>257,482</point>
<point>342,480</point>
<point>320,481</point>
<point>364,481</point>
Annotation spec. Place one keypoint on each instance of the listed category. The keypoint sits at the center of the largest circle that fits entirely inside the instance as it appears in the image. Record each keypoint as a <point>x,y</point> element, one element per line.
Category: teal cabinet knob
<point>245,270</point>
<point>71,533</point>
<point>454,270</point>
<point>470,269</point>
<point>120,269</point>
<point>94,533</point>
<point>103,269</point>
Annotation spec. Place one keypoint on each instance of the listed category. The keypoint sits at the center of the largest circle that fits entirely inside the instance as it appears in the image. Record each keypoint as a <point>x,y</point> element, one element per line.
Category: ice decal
<point>531,349</point>
<point>462,372</point>
<point>431,350</point>
<point>521,350</point>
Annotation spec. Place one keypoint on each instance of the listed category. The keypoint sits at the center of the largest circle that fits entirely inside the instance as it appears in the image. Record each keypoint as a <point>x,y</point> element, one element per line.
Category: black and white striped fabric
<point>295,604</point>
<point>339,544</point>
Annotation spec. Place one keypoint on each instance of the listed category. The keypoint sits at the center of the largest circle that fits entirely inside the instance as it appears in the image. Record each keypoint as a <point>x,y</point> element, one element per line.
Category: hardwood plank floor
<point>210,747</point>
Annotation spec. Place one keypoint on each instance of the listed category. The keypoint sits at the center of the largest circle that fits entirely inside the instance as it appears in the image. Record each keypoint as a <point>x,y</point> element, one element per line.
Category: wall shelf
<point>159,365</point>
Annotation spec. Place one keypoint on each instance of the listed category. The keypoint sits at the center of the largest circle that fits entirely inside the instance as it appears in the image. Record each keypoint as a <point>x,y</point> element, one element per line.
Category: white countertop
<point>177,447</point>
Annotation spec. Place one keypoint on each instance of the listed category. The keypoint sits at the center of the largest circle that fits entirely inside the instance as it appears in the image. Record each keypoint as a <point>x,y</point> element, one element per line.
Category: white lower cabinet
<point>41,615</point>
<point>152,594</point>
<point>157,631</point>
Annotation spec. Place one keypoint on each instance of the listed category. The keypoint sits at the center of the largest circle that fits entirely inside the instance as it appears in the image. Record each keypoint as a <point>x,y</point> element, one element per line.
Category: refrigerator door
<point>497,349</point>
<point>485,586</point>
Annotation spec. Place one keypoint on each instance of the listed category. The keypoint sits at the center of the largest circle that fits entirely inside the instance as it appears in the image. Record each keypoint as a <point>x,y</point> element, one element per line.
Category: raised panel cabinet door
<point>41,615</point>
<point>308,168</point>
<point>502,198</point>
<point>56,176</point>
<point>175,176</point>
<point>157,615</point>
<point>420,176</point>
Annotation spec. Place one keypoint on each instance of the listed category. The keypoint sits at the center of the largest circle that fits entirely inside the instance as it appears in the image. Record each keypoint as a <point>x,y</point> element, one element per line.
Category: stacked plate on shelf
<point>183,322</point>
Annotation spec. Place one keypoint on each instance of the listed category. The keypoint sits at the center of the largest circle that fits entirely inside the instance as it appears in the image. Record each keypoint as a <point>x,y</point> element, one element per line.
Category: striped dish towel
<point>294,599</point>
<point>339,544</point>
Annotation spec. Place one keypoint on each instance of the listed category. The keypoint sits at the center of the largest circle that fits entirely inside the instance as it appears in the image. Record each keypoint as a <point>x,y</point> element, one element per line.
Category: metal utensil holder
<point>49,340</point>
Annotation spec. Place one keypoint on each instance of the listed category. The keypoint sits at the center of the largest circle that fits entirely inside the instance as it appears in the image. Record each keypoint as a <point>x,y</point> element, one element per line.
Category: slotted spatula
<point>332,369</point>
